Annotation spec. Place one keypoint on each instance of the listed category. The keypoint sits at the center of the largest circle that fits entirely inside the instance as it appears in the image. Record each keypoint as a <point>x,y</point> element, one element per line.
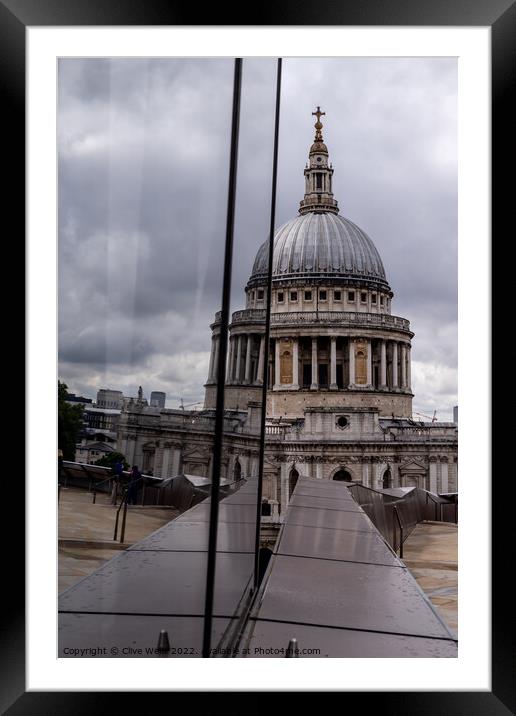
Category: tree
<point>111,459</point>
<point>69,422</point>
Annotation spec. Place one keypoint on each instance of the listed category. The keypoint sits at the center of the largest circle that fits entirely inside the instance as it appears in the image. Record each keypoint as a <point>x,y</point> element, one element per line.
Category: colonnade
<point>246,354</point>
<point>393,364</point>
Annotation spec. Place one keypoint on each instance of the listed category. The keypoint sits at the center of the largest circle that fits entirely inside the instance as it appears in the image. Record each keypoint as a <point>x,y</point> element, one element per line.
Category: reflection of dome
<point>321,244</point>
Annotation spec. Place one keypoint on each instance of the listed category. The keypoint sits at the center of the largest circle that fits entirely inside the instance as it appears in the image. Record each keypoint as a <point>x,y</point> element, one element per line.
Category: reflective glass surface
<point>143,187</point>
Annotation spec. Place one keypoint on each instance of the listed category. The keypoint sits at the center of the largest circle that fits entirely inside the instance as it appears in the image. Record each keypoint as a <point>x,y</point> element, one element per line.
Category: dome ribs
<point>317,244</point>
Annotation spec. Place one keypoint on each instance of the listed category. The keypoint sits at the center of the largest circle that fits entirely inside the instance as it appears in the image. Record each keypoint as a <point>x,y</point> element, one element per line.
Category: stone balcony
<point>305,318</point>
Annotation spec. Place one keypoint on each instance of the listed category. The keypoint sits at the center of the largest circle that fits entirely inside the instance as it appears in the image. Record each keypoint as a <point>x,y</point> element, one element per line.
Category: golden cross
<point>318,114</point>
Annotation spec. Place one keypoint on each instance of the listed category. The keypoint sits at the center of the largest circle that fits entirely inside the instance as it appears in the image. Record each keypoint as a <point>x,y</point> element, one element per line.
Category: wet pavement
<point>430,553</point>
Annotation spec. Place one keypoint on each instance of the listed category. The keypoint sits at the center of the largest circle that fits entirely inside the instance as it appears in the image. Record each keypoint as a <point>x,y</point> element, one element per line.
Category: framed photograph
<point>135,125</point>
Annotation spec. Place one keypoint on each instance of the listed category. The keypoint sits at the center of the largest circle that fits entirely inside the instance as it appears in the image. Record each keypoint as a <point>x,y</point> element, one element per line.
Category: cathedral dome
<point>315,245</point>
<point>319,243</point>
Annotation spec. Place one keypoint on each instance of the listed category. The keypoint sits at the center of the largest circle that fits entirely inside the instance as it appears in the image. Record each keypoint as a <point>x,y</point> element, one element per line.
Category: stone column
<point>164,464</point>
<point>375,471</point>
<point>254,466</point>
<point>131,446</point>
<point>403,366</point>
<point>351,363</point>
<point>238,370</point>
<point>315,366</point>
<point>395,474</point>
<point>394,365</point>
<point>365,473</point>
<point>369,364</point>
<point>295,363</point>
<point>212,358</point>
<point>452,473</point>
<point>383,365</point>
<point>433,475</point>
<point>244,464</point>
<point>409,379</point>
<point>176,462</point>
<point>247,377</point>
<point>234,362</point>
<point>216,359</point>
<point>261,358</point>
<point>333,363</point>
<point>284,487</point>
<point>277,373</point>
<point>229,371</point>
<point>444,474</point>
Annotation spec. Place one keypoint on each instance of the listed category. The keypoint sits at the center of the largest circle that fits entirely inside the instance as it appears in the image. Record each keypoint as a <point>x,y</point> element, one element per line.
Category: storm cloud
<point>143,172</point>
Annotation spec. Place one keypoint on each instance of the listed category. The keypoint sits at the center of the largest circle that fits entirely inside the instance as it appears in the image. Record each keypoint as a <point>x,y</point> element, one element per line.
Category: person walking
<point>132,489</point>
<point>118,472</point>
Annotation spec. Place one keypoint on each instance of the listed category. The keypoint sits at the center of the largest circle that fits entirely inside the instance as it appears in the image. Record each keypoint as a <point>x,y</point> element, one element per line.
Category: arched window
<point>360,368</point>
<point>342,476</point>
<point>387,480</point>
<point>292,481</point>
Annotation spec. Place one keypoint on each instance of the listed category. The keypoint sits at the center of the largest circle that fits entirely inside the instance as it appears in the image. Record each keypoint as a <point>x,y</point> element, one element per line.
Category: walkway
<point>86,531</point>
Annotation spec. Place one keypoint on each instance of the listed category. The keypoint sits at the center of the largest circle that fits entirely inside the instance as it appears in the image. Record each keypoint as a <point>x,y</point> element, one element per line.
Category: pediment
<point>413,466</point>
<point>195,454</point>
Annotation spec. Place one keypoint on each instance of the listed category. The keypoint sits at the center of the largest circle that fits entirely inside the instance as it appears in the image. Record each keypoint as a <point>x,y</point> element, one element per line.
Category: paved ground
<point>431,555</point>
<point>86,531</point>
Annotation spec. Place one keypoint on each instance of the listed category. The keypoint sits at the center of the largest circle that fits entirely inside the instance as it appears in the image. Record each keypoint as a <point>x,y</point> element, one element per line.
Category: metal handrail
<point>395,512</point>
<point>111,477</point>
<point>123,502</point>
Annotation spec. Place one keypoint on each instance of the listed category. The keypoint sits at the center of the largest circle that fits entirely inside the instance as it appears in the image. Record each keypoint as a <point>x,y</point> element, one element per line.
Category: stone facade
<point>356,444</point>
<point>167,443</point>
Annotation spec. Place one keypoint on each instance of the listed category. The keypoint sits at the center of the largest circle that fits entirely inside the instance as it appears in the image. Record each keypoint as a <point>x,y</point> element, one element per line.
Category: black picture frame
<point>15,17</point>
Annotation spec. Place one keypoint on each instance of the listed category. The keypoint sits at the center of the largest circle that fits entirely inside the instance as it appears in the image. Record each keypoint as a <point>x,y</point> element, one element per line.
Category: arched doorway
<point>148,460</point>
<point>292,481</point>
<point>237,471</point>
<point>342,476</point>
<point>387,479</point>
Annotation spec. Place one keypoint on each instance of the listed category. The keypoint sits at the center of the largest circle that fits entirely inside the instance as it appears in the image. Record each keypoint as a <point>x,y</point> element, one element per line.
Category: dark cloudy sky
<point>143,166</point>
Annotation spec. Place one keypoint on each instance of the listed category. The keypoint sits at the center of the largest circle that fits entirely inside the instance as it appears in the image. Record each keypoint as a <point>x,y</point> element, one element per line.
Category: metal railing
<point>396,517</point>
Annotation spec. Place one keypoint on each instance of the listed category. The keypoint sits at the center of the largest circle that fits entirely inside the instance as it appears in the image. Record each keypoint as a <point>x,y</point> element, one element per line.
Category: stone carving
<point>414,458</point>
